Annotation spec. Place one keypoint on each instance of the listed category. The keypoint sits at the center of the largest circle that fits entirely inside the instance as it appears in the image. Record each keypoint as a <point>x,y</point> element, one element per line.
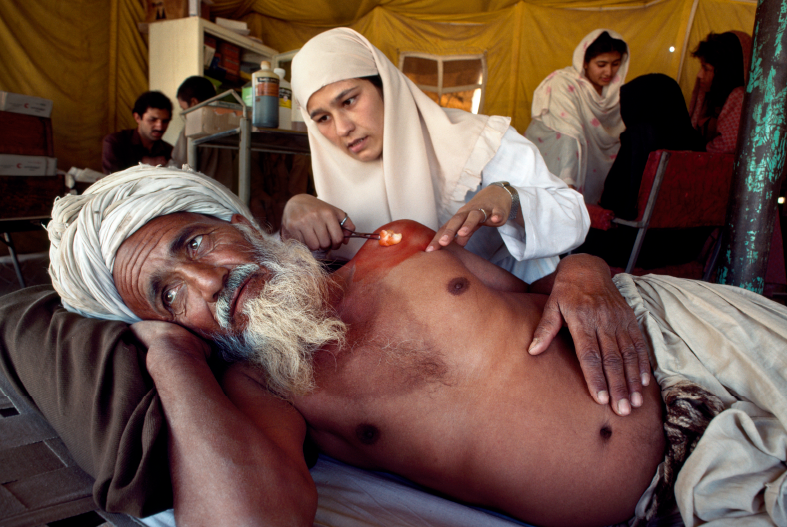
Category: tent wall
<point>85,55</point>
<point>88,56</point>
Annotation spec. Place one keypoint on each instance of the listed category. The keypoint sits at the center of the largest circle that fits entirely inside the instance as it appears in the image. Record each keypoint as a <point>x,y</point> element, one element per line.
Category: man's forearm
<point>224,470</point>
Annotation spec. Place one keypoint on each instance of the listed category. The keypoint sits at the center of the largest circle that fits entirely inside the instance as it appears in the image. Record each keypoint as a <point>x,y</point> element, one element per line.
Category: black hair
<point>723,51</point>
<point>152,99</point>
<point>604,43</point>
<point>196,87</point>
<point>376,80</point>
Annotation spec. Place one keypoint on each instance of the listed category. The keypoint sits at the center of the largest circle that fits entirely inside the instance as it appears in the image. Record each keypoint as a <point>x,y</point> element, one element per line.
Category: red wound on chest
<point>388,238</point>
<point>378,257</point>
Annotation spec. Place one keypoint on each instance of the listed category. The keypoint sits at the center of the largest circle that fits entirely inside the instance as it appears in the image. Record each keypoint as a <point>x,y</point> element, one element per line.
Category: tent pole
<point>761,154</point>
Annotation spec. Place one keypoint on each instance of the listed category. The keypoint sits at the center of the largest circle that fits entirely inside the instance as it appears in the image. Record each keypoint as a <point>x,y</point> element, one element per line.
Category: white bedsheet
<point>351,497</point>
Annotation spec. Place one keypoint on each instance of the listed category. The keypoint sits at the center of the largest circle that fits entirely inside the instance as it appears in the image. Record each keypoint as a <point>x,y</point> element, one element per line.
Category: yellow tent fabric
<point>85,55</point>
<point>89,57</point>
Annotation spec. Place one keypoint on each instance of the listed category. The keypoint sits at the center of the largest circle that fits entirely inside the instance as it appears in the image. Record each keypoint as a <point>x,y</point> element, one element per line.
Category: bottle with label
<point>265,106</point>
<point>285,100</point>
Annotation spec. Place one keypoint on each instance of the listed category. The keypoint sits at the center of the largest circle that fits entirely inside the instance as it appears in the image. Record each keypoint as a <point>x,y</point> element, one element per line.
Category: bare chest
<point>435,384</point>
<point>424,363</point>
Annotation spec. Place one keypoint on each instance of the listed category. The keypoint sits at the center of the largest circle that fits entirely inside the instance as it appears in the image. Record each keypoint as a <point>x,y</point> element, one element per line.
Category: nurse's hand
<point>490,208</point>
<point>607,339</point>
<point>315,223</point>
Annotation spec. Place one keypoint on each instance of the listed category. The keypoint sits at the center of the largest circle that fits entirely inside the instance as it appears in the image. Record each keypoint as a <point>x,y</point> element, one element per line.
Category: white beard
<point>288,322</point>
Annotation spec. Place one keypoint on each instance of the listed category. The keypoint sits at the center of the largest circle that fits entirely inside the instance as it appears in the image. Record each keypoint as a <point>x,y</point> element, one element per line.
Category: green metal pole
<point>761,154</point>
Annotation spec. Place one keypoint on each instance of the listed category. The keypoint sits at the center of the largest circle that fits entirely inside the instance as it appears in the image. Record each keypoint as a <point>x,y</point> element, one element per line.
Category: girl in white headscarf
<point>382,150</point>
<point>576,113</point>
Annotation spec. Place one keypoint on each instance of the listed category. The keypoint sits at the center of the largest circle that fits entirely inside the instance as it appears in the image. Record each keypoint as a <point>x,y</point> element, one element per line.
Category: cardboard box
<point>17,103</point>
<point>238,26</point>
<point>25,197</point>
<point>171,9</point>
<point>230,51</point>
<point>212,119</point>
<point>26,135</point>
<point>13,165</point>
<point>232,66</point>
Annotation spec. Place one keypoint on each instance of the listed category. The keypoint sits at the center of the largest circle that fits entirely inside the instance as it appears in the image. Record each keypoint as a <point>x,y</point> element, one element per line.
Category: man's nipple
<point>459,285</point>
<point>367,434</point>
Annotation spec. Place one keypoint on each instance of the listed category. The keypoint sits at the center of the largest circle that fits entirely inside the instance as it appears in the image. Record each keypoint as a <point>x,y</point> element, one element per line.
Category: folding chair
<point>679,190</point>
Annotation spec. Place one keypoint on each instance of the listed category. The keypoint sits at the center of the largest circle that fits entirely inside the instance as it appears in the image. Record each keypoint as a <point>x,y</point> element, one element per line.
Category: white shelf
<point>176,53</point>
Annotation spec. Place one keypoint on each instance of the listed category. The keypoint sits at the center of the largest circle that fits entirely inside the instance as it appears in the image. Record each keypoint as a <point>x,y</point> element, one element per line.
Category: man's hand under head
<point>608,342</point>
<point>163,337</point>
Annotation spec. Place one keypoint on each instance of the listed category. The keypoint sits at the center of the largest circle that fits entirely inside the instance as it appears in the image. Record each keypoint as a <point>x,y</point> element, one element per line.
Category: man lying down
<point>414,363</point>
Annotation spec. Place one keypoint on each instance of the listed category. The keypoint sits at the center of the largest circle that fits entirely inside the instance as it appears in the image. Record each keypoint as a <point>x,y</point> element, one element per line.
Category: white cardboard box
<point>238,26</point>
<point>15,102</point>
<point>211,119</point>
<point>12,165</point>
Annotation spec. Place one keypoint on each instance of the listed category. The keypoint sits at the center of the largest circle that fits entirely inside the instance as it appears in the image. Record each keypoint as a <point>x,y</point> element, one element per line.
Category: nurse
<point>383,150</point>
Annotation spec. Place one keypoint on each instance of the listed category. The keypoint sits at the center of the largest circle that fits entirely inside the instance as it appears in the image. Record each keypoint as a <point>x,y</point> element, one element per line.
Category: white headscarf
<point>87,230</point>
<point>567,102</point>
<point>431,156</point>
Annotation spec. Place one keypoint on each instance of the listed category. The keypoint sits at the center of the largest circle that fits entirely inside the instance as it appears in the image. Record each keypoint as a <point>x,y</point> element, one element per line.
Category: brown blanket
<point>88,379</point>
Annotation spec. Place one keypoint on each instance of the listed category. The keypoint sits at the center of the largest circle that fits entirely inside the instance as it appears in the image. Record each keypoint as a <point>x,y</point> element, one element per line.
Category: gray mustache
<point>236,277</point>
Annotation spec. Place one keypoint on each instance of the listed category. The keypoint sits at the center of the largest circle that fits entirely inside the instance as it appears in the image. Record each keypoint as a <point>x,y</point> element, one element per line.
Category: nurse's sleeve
<point>556,219</point>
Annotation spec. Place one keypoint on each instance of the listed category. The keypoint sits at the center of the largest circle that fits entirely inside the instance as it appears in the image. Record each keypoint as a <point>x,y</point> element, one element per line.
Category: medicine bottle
<point>265,106</point>
<point>285,100</point>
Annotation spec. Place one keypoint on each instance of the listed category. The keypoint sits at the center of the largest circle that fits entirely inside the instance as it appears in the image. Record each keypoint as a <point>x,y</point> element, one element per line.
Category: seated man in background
<point>414,362</point>
<point>219,163</point>
<point>274,177</point>
<point>143,144</point>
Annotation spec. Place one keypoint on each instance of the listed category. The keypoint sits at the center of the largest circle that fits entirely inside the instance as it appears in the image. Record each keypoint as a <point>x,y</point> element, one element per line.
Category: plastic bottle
<point>246,94</point>
<point>265,107</point>
<point>285,100</point>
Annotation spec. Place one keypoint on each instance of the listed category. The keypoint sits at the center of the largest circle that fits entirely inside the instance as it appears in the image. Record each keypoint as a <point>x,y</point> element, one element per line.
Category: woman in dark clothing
<point>655,115</point>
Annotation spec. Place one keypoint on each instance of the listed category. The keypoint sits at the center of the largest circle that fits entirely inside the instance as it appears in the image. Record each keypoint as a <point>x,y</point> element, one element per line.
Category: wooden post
<point>761,153</point>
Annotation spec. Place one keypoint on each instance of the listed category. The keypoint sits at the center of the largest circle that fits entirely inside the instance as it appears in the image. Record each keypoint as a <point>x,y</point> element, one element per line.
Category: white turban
<point>86,231</point>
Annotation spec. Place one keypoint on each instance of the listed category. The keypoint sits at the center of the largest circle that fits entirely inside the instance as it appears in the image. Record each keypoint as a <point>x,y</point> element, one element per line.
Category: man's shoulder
<point>373,255</point>
<point>164,146</point>
<point>121,136</point>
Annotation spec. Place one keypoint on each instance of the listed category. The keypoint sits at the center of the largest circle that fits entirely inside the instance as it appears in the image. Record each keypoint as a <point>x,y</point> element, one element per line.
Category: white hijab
<point>87,230</point>
<point>567,102</point>
<point>431,156</point>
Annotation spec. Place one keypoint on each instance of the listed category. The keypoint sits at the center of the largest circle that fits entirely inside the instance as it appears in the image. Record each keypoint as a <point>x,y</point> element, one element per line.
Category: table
<point>9,225</point>
<point>246,139</point>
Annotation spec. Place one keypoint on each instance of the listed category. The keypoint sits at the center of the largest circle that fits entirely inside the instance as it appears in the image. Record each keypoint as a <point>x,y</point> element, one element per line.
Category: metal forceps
<point>366,235</point>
